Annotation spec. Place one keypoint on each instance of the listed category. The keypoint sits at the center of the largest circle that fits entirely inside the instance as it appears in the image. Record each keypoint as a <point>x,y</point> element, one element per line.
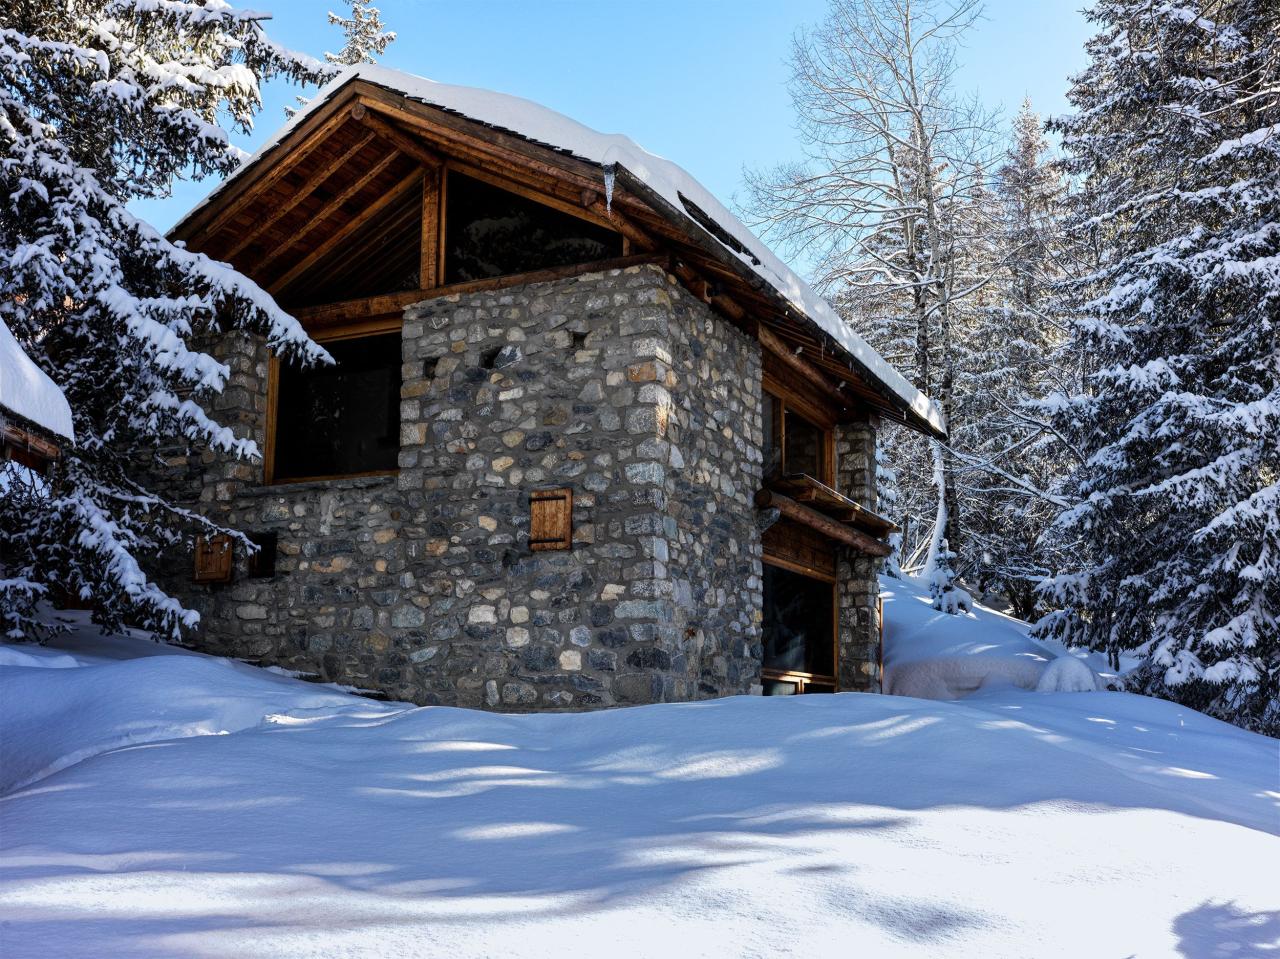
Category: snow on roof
<point>26,391</point>
<point>536,122</point>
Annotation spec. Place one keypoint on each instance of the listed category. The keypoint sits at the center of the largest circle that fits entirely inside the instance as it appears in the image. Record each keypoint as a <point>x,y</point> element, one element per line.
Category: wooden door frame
<point>796,676</point>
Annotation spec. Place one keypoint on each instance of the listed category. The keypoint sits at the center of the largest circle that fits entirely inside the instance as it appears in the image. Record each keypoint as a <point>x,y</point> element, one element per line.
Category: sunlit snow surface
<point>934,655</point>
<point>181,805</point>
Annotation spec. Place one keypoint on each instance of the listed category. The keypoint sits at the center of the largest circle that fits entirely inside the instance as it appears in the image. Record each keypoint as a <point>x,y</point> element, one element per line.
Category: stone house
<point>586,441</point>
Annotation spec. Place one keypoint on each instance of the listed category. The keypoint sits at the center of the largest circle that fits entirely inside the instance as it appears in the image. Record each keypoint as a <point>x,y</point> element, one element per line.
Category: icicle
<point>609,172</point>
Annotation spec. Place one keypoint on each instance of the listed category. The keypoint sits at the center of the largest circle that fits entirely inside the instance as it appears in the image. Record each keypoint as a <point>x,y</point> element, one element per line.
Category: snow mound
<point>934,654</point>
<point>54,718</point>
<point>1066,674</point>
<point>27,390</point>
<point>321,824</point>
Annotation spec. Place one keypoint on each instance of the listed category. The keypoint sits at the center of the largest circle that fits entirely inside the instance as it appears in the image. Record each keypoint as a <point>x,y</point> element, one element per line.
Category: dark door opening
<point>799,633</point>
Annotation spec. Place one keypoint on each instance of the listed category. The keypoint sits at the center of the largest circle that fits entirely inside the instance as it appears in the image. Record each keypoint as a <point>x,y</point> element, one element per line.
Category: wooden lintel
<point>831,528</point>
<point>338,236</point>
<point>304,191</point>
<point>348,310</point>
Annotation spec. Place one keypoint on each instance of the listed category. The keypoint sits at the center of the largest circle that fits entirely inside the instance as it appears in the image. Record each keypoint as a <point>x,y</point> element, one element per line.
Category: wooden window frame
<point>350,331</point>
<point>435,192</point>
<point>785,400</point>
<point>796,676</point>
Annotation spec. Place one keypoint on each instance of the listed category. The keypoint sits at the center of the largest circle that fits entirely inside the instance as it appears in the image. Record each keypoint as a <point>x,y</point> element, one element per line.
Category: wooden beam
<point>780,348</point>
<point>395,302</point>
<point>396,137</point>
<point>270,175</point>
<point>532,193</point>
<point>304,191</point>
<point>833,529</point>
<point>328,210</point>
<point>337,237</point>
<point>429,236</point>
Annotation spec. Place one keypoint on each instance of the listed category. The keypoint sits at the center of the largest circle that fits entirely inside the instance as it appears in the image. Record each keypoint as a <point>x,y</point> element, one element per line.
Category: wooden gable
<point>331,219</point>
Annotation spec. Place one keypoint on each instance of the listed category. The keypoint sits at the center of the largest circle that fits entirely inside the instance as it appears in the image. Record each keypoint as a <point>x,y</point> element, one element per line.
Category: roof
<point>26,391</point>
<point>621,159</point>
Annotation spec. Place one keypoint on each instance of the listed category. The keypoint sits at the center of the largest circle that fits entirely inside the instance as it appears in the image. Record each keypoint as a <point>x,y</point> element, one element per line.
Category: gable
<point>291,218</point>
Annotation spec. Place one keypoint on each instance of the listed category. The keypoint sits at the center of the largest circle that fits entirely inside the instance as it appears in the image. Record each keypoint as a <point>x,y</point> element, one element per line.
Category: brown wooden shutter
<point>551,519</point>
<point>213,559</point>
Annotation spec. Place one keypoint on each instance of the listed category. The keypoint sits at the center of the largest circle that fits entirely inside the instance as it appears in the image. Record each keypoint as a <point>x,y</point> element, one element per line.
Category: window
<point>343,419</point>
<point>491,232</point>
<point>794,444</point>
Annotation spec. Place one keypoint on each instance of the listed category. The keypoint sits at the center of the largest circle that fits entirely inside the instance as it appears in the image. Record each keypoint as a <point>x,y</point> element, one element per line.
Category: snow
<point>182,805</point>
<point>932,654</point>
<point>612,151</point>
<point>26,390</point>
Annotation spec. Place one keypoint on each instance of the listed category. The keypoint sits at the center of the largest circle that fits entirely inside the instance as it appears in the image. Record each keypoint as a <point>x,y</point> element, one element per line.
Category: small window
<point>491,232</point>
<point>341,419</point>
<point>806,447</point>
<point>793,444</point>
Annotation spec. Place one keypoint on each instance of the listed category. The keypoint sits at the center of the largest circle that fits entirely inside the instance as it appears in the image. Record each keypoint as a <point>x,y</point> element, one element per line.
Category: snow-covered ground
<point>180,805</point>
<point>934,655</point>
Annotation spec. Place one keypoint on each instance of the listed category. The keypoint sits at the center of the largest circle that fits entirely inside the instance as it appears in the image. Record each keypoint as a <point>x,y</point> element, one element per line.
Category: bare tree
<point>889,210</point>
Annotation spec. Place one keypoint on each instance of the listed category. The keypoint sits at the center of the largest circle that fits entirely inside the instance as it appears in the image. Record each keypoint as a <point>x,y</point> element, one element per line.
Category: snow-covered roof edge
<point>27,391</point>
<point>670,181</point>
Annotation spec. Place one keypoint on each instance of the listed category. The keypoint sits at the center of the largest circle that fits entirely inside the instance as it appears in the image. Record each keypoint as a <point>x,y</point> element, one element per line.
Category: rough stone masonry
<point>422,585</point>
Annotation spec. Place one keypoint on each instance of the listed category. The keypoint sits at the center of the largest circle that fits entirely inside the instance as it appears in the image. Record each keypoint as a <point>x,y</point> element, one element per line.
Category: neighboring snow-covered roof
<point>536,122</point>
<point>26,391</point>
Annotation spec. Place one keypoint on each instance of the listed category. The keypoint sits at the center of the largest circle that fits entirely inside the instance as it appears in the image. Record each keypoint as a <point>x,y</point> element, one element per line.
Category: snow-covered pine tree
<point>367,39</point>
<point>1013,462</point>
<point>102,102</point>
<point>367,36</point>
<point>1176,138</point>
<point>883,210</point>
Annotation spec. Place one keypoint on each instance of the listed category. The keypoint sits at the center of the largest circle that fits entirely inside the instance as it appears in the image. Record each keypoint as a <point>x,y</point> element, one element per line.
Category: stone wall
<point>422,585</point>
<point>858,586</point>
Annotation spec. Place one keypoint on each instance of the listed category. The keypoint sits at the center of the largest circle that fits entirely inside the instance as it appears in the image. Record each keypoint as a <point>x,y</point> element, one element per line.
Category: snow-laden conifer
<point>1176,139</point>
<point>103,102</point>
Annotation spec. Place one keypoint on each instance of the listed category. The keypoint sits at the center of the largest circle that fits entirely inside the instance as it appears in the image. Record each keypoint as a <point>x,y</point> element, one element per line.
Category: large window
<point>491,232</point>
<point>343,419</point>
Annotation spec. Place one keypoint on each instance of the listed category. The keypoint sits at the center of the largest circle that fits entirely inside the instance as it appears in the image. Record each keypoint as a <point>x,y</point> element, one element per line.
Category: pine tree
<point>103,102</point>
<point>367,36</point>
<point>1176,140</point>
<point>366,40</point>
<point>1013,461</point>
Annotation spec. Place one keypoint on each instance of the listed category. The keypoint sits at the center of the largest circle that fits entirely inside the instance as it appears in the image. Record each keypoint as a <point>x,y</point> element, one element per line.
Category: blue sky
<point>702,82</point>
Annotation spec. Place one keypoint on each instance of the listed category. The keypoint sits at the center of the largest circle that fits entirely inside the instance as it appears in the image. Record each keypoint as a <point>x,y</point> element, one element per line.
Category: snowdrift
<point>934,655</point>
<point>179,805</point>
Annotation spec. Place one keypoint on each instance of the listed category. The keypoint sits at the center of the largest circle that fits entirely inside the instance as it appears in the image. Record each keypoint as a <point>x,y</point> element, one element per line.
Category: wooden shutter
<point>213,559</point>
<point>551,519</point>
